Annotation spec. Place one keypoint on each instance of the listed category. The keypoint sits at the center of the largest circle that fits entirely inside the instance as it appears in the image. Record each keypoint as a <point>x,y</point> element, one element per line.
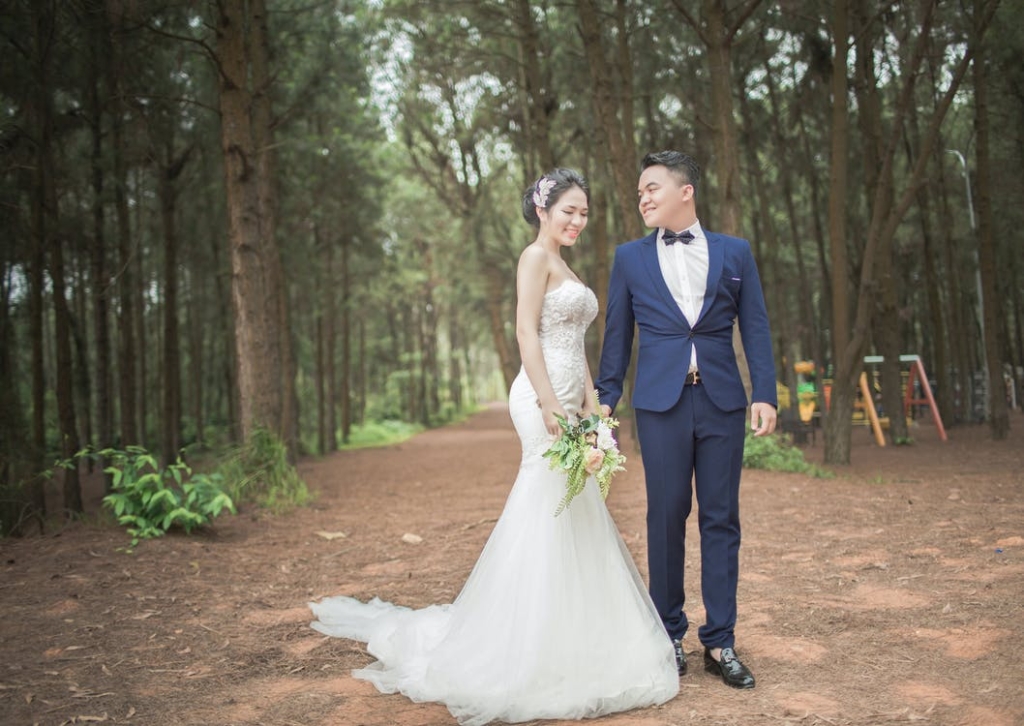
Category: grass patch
<point>259,472</point>
<point>381,433</point>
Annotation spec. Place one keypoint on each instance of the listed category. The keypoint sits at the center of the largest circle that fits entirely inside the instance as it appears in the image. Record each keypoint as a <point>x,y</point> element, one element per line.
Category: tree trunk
<point>196,356</point>
<point>624,65</point>
<point>98,250</point>
<point>429,373</point>
<point>18,502</point>
<point>837,421</point>
<point>1016,356</point>
<point>882,227</point>
<point>495,282</point>
<point>718,41</point>
<point>999,420</point>
<point>331,311</point>
<point>360,414</point>
<point>320,366</point>
<point>534,94</point>
<point>345,392</point>
<point>322,295</point>
<point>821,238</point>
<point>717,35</point>
<point>940,330</point>
<point>127,353</point>
<point>886,310</point>
<point>454,358</point>
<point>601,255</point>
<point>266,184</point>
<point>228,362</point>
<point>65,372</point>
<point>765,245</point>
<point>80,357</point>
<point>37,265</point>
<point>140,284</point>
<point>423,321</point>
<point>291,411</point>
<point>806,328</point>
<point>609,108</point>
<point>939,364</point>
<point>48,241</point>
<point>954,303</point>
<point>36,283</point>
<point>410,326</point>
<point>255,259</point>
<point>171,418</point>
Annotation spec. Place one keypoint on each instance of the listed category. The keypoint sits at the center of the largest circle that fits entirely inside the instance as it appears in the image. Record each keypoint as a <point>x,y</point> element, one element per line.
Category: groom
<point>683,287</point>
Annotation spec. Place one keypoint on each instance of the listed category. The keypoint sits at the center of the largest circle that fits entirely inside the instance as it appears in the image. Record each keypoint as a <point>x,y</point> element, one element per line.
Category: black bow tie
<point>670,238</point>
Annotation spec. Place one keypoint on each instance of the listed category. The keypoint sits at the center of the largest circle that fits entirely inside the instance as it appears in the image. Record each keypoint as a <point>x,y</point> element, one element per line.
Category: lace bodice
<point>565,314</point>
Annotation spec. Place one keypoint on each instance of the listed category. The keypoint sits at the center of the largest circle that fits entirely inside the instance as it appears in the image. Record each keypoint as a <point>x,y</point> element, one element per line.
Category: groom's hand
<point>606,410</point>
<point>762,418</point>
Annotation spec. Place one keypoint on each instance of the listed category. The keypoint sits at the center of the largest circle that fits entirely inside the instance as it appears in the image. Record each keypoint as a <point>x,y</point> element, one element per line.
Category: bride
<point>554,620</point>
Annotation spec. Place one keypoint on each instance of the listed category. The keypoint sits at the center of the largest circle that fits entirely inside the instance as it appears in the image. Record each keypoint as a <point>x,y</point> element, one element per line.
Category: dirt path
<point>891,594</point>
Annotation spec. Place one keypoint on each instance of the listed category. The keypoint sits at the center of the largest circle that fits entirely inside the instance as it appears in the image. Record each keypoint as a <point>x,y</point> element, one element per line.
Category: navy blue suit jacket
<point>637,293</point>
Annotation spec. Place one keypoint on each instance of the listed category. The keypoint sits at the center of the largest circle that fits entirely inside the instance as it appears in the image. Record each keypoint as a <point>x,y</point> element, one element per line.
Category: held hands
<point>762,418</point>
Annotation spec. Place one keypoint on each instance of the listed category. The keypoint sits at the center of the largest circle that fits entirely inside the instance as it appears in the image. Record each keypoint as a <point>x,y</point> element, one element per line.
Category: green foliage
<point>381,433</point>
<point>149,500</point>
<point>259,472</point>
<point>569,453</point>
<point>777,453</point>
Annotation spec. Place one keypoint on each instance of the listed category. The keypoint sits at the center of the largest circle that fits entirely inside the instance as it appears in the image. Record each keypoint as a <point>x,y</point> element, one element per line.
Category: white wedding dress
<point>554,620</point>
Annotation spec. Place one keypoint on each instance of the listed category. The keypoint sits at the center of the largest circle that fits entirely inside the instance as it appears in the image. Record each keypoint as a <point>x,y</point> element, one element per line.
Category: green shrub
<point>149,501</point>
<point>777,453</point>
<point>259,472</point>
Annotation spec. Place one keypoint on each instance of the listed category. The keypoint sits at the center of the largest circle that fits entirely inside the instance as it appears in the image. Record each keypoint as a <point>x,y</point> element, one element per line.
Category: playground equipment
<point>915,374</point>
<point>803,423</point>
<point>806,391</point>
<point>916,392</point>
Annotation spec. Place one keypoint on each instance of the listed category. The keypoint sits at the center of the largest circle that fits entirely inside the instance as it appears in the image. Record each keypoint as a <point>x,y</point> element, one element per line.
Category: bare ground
<point>888,595</point>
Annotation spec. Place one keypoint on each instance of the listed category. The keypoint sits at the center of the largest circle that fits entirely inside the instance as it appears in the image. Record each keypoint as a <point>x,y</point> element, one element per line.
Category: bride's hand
<point>550,422</point>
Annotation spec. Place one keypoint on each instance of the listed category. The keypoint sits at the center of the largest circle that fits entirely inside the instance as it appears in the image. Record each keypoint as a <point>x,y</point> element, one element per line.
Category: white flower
<point>605,440</point>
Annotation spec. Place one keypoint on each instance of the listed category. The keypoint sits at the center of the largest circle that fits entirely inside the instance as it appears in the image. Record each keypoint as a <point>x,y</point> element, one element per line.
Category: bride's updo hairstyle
<point>546,191</point>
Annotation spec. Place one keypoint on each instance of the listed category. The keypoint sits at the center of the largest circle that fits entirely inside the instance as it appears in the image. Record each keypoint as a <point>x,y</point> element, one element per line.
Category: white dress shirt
<point>685,269</point>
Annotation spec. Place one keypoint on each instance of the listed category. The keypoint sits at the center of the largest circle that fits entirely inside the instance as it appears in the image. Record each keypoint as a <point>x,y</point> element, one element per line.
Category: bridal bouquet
<point>586,448</point>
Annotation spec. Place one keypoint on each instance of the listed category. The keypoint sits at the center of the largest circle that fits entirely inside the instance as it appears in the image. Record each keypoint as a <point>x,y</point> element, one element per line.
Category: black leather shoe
<point>680,657</point>
<point>733,672</point>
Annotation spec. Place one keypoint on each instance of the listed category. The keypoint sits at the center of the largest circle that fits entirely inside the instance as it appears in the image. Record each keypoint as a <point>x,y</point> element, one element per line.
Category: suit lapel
<point>649,252</point>
<point>716,256</point>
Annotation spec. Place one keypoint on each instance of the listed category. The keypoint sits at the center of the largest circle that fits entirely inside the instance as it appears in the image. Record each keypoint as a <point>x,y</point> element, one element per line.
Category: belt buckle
<point>693,377</point>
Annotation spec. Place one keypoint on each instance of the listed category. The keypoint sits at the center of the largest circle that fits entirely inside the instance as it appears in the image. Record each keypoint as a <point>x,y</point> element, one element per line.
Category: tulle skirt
<point>554,621</point>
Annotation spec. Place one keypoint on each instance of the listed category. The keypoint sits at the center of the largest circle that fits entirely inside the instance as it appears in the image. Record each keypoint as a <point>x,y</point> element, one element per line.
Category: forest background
<point>299,216</point>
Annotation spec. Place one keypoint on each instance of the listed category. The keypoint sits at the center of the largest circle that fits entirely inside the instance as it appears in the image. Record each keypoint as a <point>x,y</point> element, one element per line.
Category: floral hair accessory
<point>540,195</point>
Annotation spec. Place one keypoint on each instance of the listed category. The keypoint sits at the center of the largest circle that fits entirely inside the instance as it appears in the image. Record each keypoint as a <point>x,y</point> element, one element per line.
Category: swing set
<point>915,375</point>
